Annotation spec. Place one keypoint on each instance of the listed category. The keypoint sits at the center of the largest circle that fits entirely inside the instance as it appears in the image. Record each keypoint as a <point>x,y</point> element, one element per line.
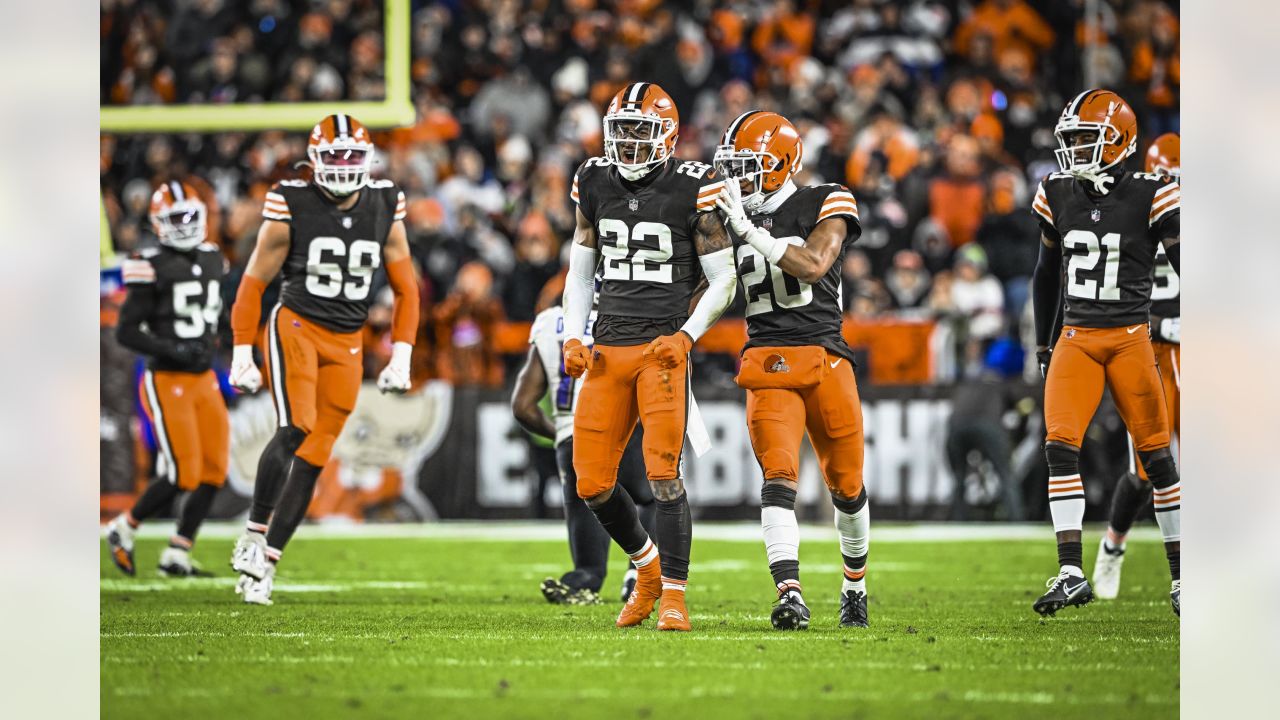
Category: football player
<point>1100,230</point>
<point>796,367</point>
<point>1133,489</point>
<point>170,316</point>
<point>328,237</point>
<point>651,219</point>
<point>588,542</point>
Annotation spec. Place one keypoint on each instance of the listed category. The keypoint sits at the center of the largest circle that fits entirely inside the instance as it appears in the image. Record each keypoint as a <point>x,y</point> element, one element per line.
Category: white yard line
<point>554,531</point>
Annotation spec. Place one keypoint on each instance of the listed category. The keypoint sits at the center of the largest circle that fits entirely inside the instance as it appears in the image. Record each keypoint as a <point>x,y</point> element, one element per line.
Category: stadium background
<point>938,115</point>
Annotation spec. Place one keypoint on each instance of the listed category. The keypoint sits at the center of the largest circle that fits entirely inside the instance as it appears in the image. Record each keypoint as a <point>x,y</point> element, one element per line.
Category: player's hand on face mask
<point>577,357</point>
<point>244,374</point>
<point>394,378</point>
<point>729,200</point>
<point>670,350</point>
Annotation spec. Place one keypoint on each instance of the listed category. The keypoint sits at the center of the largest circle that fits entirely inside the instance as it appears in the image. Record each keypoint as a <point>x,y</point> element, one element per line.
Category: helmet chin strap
<point>633,174</point>
<point>1100,179</point>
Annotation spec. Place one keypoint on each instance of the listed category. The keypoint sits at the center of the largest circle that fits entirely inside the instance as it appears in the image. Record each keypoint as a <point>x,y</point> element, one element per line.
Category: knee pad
<point>775,494</point>
<point>850,507</point>
<point>1063,459</point>
<point>316,448</point>
<point>1160,467</point>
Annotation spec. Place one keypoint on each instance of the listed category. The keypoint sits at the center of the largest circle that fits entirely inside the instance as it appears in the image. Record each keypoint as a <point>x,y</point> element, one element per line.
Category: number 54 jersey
<point>333,253</point>
<point>645,234</point>
<point>1109,243</point>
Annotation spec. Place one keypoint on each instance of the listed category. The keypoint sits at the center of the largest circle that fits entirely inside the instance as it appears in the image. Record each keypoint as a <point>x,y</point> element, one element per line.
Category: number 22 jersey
<point>1109,243</point>
<point>644,230</point>
<point>333,253</point>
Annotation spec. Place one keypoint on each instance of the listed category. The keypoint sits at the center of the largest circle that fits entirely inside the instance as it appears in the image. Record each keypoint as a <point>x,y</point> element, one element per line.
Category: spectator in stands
<point>463,329</point>
<point>907,281</point>
<point>537,261</point>
<point>977,300</point>
<point>1009,236</point>
<point>957,196</point>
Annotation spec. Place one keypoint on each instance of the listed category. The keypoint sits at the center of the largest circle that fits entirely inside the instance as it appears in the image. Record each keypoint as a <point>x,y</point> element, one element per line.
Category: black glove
<point>1043,357</point>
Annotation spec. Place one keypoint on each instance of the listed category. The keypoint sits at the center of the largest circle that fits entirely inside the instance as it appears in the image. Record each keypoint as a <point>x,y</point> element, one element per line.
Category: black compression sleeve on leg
<point>195,510</point>
<point>619,518</point>
<point>1128,499</point>
<point>295,498</point>
<point>1160,468</point>
<point>675,536</point>
<point>158,496</point>
<point>1063,459</point>
<point>273,466</point>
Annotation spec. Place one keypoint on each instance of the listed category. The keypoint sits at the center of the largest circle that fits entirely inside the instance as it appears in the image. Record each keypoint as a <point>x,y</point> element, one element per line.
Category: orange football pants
<point>314,376</point>
<point>1086,359</point>
<point>832,413</point>
<point>1169,358</point>
<point>191,426</point>
<point>624,385</point>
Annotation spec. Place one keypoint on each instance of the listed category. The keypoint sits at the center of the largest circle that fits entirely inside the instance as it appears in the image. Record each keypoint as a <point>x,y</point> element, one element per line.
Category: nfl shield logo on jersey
<point>768,223</point>
<point>633,204</point>
<point>1095,215</point>
<point>346,223</point>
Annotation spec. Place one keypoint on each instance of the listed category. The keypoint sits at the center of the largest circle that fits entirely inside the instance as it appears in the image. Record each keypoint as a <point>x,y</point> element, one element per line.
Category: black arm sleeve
<point>1174,253</point>
<point>1046,290</point>
<point>138,306</point>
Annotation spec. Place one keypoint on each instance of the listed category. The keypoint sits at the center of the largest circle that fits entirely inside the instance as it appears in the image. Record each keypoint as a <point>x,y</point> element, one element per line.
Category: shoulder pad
<point>545,319</point>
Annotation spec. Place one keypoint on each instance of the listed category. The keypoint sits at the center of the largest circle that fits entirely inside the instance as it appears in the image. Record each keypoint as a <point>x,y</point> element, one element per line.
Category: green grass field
<point>430,627</point>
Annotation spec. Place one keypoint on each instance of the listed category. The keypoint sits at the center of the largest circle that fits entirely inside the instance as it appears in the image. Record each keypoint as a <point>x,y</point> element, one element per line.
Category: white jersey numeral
<point>1108,250</point>
<point>774,292</point>
<point>195,310</point>
<point>324,268</point>
<point>1166,285</point>
<point>624,259</point>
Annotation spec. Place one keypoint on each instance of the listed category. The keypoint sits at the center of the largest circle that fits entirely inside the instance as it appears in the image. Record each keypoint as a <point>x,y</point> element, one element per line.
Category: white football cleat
<point>120,540</point>
<point>258,592</point>
<point>250,556</point>
<point>176,562</point>
<point>1106,571</point>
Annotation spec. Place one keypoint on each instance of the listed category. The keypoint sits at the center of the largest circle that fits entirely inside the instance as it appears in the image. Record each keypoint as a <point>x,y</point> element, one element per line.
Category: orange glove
<point>577,357</point>
<point>670,350</point>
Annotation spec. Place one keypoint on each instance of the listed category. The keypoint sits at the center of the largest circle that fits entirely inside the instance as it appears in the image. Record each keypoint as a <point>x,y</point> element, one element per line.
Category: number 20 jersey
<point>333,253</point>
<point>782,310</point>
<point>645,234</point>
<point>1109,243</point>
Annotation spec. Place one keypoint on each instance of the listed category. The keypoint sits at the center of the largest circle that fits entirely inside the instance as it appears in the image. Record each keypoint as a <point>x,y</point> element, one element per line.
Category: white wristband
<point>770,247</point>
<point>401,352</point>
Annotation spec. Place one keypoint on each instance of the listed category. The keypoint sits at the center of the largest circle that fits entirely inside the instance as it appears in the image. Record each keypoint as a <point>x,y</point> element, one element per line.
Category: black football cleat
<point>120,543</point>
<point>790,613</point>
<point>853,609</point>
<point>1064,591</point>
<point>1175,597</point>
<point>557,592</point>
<point>629,583</point>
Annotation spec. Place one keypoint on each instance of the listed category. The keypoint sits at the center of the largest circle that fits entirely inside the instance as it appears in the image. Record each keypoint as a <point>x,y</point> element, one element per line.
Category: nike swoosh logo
<point>355,350</point>
<point>834,364</point>
<point>1133,329</point>
<point>1072,592</point>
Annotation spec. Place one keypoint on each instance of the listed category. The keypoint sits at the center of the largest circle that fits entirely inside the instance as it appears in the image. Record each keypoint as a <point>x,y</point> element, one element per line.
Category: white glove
<point>730,203</point>
<point>395,376</point>
<point>244,373</point>
<point>1171,330</point>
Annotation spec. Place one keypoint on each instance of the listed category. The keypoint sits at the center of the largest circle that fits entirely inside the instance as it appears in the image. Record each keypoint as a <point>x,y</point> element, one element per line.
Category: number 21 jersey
<point>1109,243</point>
<point>645,234</point>
<point>333,253</point>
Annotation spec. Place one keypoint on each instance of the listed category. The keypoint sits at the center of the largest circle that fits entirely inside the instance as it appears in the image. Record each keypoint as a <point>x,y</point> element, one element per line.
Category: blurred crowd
<point>938,114</point>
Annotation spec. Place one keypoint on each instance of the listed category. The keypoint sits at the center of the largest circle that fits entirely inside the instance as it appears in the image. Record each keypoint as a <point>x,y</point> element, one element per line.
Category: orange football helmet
<point>640,129</point>
<point>178,215</point>
<point>1097,130</point>
<point>1163,157</point>
<point>341,153</point>
<point>762,147</point>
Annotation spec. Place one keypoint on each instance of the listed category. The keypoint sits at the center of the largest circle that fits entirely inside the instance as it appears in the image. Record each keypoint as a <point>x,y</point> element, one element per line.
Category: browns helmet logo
<point>776,364</point>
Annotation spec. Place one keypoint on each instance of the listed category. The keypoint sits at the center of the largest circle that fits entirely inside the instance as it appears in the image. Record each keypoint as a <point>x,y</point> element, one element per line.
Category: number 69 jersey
<point>333,253</point>
<point>645,234</point>
<point>783,310</point>
<point>1109,243</point>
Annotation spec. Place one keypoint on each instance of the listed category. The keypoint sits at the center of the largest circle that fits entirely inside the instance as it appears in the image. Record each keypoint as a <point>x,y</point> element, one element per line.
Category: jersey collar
<point>774,201</point>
